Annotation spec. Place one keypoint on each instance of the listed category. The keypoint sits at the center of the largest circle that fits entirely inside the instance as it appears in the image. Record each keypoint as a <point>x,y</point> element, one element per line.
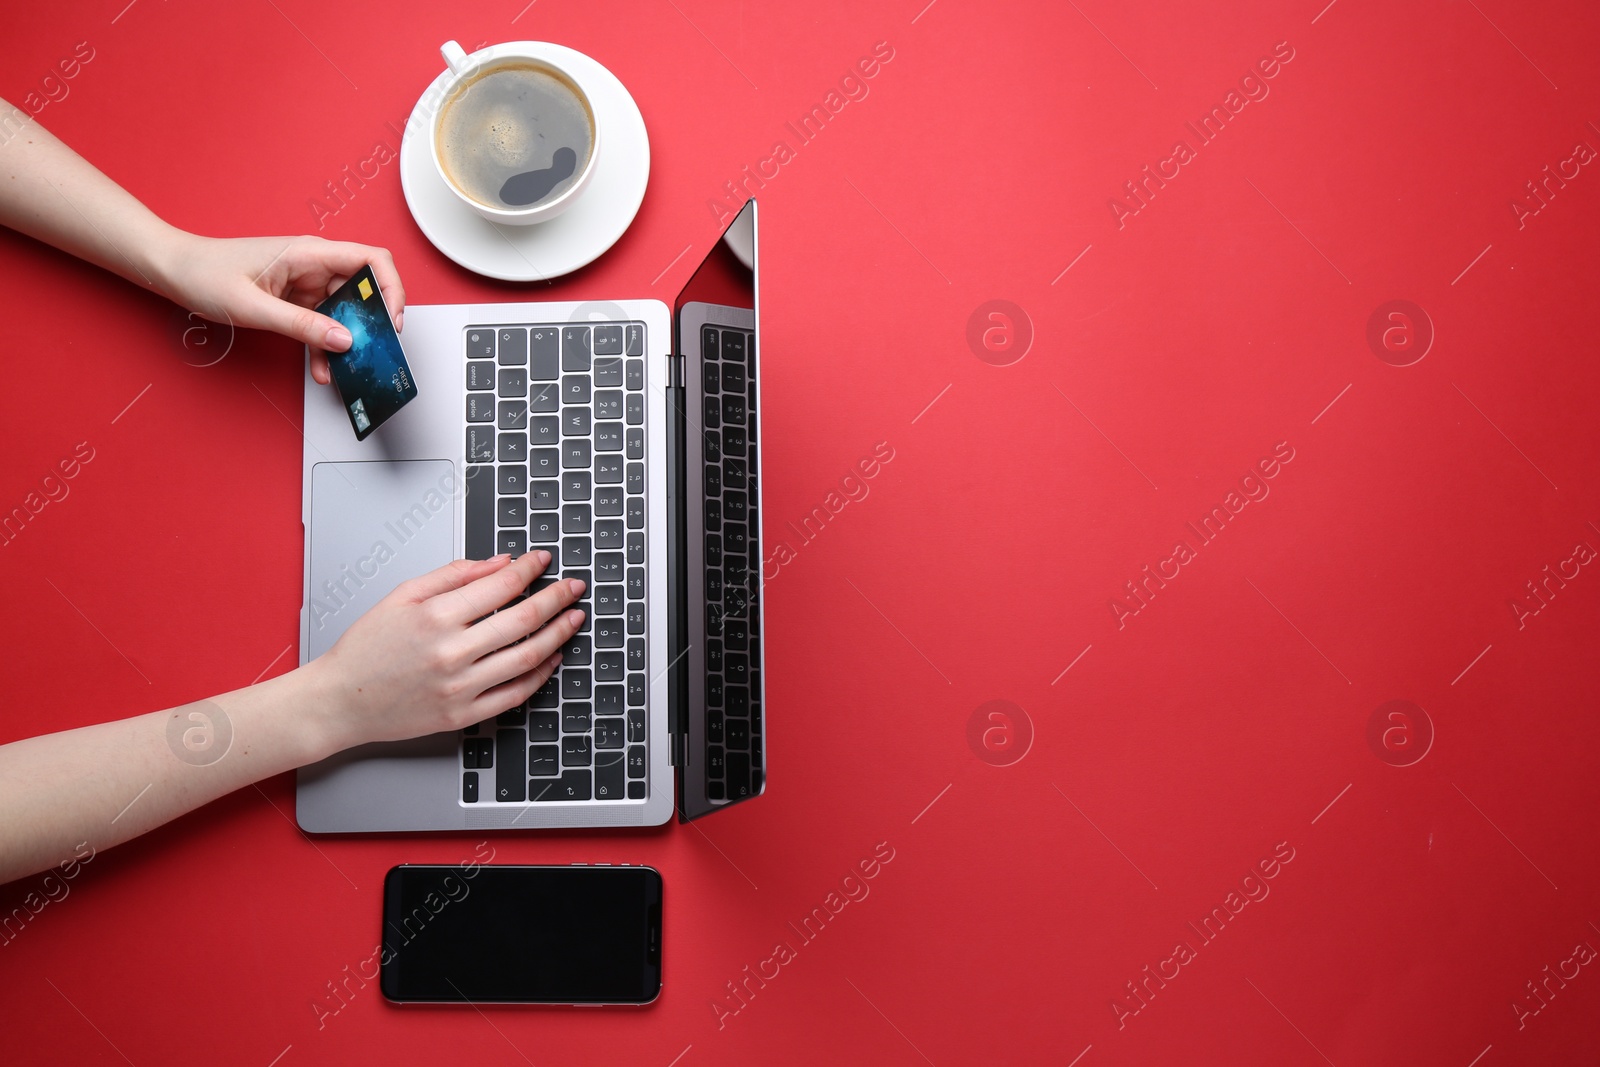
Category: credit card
<point>373,377</point>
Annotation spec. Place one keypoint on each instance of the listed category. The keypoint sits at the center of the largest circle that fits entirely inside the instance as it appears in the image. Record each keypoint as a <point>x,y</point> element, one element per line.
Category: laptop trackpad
<point>373,526</point>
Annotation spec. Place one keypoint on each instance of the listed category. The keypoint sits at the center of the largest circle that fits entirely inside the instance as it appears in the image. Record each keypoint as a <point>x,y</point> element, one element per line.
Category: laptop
<point>624,439</point>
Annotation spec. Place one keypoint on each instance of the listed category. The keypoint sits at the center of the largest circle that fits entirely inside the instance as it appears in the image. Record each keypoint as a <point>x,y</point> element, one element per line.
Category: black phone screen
<point>522,934</point>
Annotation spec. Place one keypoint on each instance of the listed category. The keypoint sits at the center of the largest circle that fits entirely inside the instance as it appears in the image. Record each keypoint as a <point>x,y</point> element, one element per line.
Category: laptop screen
<point>717,658</point>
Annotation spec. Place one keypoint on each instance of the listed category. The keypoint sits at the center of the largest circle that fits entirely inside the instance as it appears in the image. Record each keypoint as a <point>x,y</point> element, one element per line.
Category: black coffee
<point>516,135</point>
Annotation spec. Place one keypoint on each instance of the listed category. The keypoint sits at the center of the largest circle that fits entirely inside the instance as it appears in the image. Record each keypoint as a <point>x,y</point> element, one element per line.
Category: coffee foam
<point>509,119</point>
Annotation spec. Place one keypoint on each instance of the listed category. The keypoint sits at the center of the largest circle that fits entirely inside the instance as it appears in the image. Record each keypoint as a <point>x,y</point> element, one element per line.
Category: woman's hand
<point>417,663</point>
<point>272,283</point>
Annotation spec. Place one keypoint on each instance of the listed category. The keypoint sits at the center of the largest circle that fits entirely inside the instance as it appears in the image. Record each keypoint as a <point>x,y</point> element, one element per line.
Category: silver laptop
<point>621,437</point>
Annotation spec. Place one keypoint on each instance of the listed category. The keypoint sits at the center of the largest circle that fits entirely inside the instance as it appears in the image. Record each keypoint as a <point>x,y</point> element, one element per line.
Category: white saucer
<point>574,238</point>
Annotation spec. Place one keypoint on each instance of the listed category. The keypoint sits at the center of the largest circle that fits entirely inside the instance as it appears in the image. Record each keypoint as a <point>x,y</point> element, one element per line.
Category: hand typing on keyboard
<point>430,656</point>
<point>455,646</point>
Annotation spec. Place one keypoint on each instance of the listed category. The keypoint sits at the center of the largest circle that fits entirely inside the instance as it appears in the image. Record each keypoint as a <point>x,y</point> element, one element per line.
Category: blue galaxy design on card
<point>374,379</point>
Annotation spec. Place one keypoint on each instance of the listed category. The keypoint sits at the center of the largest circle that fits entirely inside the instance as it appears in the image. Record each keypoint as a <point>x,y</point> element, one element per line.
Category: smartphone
<point>522,934</point>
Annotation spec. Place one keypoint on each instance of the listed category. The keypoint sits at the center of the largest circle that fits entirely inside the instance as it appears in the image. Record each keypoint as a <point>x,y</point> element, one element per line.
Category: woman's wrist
<point>165,253</point>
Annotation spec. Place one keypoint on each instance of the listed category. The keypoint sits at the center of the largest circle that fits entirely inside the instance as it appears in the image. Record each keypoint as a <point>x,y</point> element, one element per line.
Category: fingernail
<point>575,617</point>
<point>338,337</point>
<point>555,660</point>
<point>501,556</point>
<point>544,558</point>
<point>576,585</point>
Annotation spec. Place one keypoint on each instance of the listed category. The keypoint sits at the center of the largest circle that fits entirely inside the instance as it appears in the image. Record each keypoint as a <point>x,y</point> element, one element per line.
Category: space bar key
<point>511,766</point>
<point>480,512</point>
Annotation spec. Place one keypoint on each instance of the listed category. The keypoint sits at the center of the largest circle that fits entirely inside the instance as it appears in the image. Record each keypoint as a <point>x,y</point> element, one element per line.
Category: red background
<point>1176,753</point>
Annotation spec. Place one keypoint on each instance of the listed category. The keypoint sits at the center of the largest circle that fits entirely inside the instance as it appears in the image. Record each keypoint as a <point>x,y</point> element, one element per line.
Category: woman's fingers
<point>515,692</point>
<point>452,575</point>
<point>514,623</point>
<point>515,660</point>
<point>493,591</point>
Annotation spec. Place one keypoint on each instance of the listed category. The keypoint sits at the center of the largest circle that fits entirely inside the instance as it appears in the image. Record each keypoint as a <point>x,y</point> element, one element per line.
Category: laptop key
<point>545,400</point>
<point>576,683</point>
<point>608,776</point>
<point>544,430</point>
<point>636,548</point>
<point>607,500</point>
<point>542,528</point>
<point>544,726</point>
<point>713,446</point>
<point>512,543</point>
<point>608,340</point>
<point>635,481</point>
<point>480,344</point>
<point>708,342</point>
<point>480,375</point>
<point>513,414</point>
<point>575,389</point>
<point>733,411</point>
<point>635,412</point>
<point>739,735</point>
<point>635,374</point>
<point>608,534</point>
<point>608,600</point>
<point>545,364</point>
<point>579,550</point>
<point>608,371</point>
<point>608,633</point>
<point>608,700</point>
<point>480,444</point>
<point>575,485</point>
<point>513,446</point>
<point>636,654</point>
<point>716,761</point>
<point>513,383</point>
<point>608,567</point>
<point>636,513</point>
<point>512,511</point>
<point>635,761</point>
<point>544,496</point>
<point>469,787</point>
<point>576,652</point>
<point>636,618</point>
<point>733,346</point>
<point>575,453</point>
<point>713,376</point>
<point>607,469</point>
<point>714,731</point>
<point>608,667</point>
<point>576,422</point>
<point>545,462</point>
<point>575,351</point>
<point>575,718</point>
<point>733,506</point>
<point>572,785</point>
<point>512,346</point>
<point>738,775</point>
<point>636,727</point>
<point>544,761</point>
<point>713,550</point>
<point>576,518</point>
<point>512,480</point>
<point>510,766</point>
<point>636,688</point>
<point>608,733</point>
<point>608,437</point>
<point>607,402</point>
<point>575,752</point>
<point>480,407</point>
<point>635,583</point>
<point>733,378</point>
<point>713,479</point>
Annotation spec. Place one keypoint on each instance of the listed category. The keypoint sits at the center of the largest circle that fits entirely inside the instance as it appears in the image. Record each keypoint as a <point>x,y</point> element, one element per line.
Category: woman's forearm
<point>106,783</point>
<point>49,192</point>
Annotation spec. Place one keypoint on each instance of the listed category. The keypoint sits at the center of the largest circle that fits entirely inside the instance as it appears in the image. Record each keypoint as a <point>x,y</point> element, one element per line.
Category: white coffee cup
<point>464,69</point>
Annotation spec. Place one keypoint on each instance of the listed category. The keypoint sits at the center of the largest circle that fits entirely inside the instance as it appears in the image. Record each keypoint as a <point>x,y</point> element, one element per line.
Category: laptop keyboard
<point>733,566</point>
<point>555,461</point>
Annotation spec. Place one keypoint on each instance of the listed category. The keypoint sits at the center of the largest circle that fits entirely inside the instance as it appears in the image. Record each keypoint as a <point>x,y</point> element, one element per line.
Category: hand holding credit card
<point>373,377</point>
